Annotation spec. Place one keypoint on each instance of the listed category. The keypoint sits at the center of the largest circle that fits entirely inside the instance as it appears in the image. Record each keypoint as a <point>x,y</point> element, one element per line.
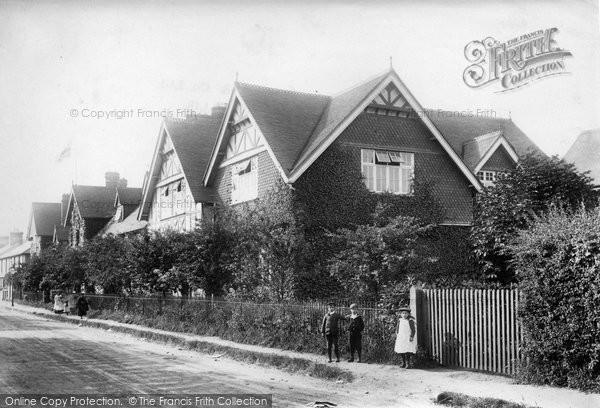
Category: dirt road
<point>47,357</point>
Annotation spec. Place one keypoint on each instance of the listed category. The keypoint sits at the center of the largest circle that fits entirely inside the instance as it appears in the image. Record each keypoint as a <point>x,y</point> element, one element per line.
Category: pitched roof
<point>44,216</point>
<point>129,195</point>
<point>193,140</point>
<point>94,201</point>
<point>474,150</point>
<point>338,109</point>
<point>17,250</point>
<point>61,234</point>
<point>129,224</point>
<point>460,129</point>
<point>585,153</point>
<point>285,118</point>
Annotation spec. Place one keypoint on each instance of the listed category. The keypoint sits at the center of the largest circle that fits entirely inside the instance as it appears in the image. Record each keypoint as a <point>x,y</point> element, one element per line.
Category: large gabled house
<point>91,208</point>
<point>266,135</point>
<point>270,134</point>
<point>173,195</point>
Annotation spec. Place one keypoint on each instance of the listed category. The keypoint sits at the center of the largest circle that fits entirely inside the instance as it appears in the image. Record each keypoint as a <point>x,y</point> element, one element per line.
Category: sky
<point>64,64</point>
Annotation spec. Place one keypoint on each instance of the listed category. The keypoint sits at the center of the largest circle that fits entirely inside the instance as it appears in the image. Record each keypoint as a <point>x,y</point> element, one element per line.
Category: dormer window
<point>387,171</point>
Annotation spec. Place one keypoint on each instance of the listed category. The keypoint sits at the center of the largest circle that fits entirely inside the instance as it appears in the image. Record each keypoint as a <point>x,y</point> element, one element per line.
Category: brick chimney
<point>112,179</point>
<point>15,238</point>
<point>218,110</point>
<point>123,182</point>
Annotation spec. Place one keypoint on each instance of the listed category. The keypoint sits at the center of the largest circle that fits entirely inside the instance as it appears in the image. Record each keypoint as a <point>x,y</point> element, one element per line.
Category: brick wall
<point>449,185</point>
<point>267,176</point>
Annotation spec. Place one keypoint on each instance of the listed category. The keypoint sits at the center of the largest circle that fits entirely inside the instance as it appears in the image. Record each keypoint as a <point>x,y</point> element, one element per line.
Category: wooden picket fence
<point>473,328</point>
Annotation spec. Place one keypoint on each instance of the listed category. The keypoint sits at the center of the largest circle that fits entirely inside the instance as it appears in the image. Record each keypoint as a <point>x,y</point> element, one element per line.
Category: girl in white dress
<point>406,344</point>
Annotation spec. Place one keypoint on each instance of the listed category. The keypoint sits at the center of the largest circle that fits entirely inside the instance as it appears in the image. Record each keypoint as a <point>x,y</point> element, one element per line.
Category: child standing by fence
<point>406,345</point>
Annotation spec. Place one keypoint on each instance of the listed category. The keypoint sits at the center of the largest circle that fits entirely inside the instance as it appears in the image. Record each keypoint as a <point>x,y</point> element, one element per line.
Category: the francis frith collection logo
<point>514,63</point>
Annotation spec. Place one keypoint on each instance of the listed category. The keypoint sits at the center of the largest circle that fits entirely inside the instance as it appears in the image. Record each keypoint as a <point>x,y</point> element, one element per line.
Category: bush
<point>558,261</point>
<point>509,206</point>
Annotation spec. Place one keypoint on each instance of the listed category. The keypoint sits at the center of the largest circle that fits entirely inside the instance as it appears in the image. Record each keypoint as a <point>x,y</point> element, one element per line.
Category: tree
<point>108,267</point>
<point>508,207</point>
<point>375,256</point>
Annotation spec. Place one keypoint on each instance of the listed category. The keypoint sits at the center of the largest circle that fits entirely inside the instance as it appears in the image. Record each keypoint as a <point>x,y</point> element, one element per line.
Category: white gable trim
<point>395,79</point>
<point>154,174</point>
<point>219,141</point>
<point>236,95</point>
<point>150,182</point>
<point>501,141</point>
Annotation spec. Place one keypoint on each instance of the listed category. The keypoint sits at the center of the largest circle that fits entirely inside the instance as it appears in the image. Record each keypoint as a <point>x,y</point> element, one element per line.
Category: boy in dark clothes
<point>331,330</point>
<point>355,329</point>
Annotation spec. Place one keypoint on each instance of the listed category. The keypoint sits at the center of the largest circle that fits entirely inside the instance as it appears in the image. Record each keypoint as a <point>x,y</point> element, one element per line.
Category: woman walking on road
<point>82,306</point>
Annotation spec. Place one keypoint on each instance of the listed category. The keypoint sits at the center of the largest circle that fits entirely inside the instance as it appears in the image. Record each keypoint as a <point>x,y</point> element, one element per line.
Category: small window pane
<point>383,157</point>
<point>368,156</point>
<point>394,179</point>
<point>380,180</point>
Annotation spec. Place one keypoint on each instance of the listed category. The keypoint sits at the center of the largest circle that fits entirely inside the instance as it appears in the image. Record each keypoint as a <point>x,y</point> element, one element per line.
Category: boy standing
<point>331,330</point>
<point>355,329</point>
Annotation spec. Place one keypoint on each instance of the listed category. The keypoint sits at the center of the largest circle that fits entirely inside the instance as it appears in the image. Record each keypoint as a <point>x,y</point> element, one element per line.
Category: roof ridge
<point>191,119</point>
<point>283,90</point>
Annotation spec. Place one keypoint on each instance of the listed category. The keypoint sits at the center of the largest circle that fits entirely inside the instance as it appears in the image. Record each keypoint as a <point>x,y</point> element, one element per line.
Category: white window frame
<point>244,181</point>
<point>388,171</point>
<point>487,177</point>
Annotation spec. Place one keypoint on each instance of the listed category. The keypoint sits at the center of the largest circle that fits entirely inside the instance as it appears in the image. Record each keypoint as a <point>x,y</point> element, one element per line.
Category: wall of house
<point>186,213</point>
<point>267,176</point>
<point>499,161</point>
<point>431,163</point>
<point>39,242</point>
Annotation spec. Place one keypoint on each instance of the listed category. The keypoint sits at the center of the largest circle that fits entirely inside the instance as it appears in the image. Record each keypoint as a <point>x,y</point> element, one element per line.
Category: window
<point>386,171</point>
<point>487,178</point>
<point>244,181</point>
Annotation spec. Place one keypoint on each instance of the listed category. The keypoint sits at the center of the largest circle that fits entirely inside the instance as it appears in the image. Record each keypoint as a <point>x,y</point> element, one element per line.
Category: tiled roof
<point>45,216</point>
<point>129,224</point>
<point>61,234</point>
<point>338,109</point>
<point>95,201</point>
<point>17,250</point>
<point>193,140</point>
<point>129,195</point>
<point>286,118</point>
<point>585,153</point>
<point>474,150</point>
<point>458,130</point>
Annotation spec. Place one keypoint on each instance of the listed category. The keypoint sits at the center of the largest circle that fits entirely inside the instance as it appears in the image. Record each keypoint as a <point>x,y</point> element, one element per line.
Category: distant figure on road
<point>406,345</point>
<point>59,305</point>
<point>331,330</point>
<point>82,306</point>
<point>355,329</point>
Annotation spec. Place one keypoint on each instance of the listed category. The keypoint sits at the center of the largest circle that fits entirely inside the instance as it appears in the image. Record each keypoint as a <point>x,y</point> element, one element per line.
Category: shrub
<point>558,261</point>
<point>506,208</point>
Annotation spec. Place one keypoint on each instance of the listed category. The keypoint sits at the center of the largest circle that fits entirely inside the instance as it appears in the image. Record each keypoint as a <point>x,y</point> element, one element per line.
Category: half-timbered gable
<point>173,196</point>
<point>395,143</point>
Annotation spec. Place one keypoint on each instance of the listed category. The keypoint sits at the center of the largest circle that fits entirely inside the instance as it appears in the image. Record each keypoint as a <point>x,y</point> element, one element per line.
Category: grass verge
<point>454,399</point>
<point>285,363</point>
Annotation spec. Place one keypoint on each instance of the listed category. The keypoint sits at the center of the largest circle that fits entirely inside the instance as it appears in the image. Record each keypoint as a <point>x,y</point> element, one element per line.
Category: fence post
<point>417,310</point>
